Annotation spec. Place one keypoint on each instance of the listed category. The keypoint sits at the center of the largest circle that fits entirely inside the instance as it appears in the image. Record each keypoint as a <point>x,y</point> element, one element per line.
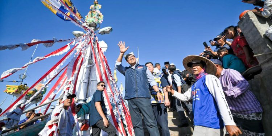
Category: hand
<point>212,43</point>
<point>122,47</point>
<point>249,60</point>
<point>208,49</point>
<point>32,116</point>
<point>170,89</point>
<point>106,122</point>
<point>166,103</point>
<point>233,130</point>
<point>224,37</point>
<point>159,95</point>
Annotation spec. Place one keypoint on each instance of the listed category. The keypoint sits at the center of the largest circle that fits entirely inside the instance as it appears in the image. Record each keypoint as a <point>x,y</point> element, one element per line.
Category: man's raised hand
<point>122,47</point>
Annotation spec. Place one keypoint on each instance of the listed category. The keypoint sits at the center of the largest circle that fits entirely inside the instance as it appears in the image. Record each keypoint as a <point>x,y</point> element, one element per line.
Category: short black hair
<point>156,64</point>
<point>231,28</point>
<point>100,83</point>
<point>172,68</point>
<point>148,63</point>
<point>167,62</point>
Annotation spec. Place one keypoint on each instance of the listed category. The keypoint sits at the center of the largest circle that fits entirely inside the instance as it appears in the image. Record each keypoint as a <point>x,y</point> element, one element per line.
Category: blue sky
<point>162,30</point>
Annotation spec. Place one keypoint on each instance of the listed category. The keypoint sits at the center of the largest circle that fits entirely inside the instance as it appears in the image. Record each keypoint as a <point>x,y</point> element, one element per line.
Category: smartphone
<point>205,45</point>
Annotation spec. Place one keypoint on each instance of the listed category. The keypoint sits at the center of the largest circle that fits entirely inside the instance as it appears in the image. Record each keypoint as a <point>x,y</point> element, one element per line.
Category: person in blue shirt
<point>29,116</point>
<point>210,108</point>
<point>219,41</point>
<point>231,61</point>
<point>97,113</point>
<point>137,79</point>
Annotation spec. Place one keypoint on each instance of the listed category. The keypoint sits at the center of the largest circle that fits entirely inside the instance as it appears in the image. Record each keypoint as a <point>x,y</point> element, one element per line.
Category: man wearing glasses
<point>97,111</point>
<point>138,78</point>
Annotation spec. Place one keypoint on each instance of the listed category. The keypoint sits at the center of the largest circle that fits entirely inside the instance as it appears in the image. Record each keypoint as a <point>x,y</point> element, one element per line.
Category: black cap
<point>218,37</point>
<point>167,62</point>
<point>71,95</point>
<point>196,62</point>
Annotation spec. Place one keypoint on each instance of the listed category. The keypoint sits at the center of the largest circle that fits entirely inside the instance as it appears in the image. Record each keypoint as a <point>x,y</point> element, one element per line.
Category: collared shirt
<point>66,123</point>
<point>150,77</point>
<point>239,97</point>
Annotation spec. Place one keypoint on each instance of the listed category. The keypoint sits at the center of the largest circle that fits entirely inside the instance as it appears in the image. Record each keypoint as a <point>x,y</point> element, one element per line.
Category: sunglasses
<point>103,85</point>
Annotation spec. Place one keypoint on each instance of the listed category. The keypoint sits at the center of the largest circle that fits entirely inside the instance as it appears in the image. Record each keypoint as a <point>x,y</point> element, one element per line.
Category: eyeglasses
<point>103,85</point>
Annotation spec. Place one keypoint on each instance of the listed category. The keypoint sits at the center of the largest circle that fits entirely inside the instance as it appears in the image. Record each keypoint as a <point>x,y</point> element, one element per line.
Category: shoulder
<point>211,79</point>
<point>209,76</point>
<point>233,74</point>
<point>97,93</point>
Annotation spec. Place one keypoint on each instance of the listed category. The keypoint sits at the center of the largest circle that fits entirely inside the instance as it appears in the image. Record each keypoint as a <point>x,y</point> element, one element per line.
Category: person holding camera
<point>219,41</point>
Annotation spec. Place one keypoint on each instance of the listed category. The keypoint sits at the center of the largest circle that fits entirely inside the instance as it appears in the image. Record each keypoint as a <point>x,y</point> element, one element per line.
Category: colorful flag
<point>59,7</point>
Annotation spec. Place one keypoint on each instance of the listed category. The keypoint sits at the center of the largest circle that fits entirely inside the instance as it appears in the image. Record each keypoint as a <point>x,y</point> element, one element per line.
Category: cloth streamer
<point>57,52</point>
<point>109,84</point>
<point>123,104</point>
<point>44,76</point>
<point>24,46</point>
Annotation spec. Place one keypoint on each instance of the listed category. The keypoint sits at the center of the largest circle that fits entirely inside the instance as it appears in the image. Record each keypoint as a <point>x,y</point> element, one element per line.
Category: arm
<point>120,67</point>
<point>267,9</point>
<point>101,113</point>
<point>166,101</point>
<point>118,64</point>
<point>210,50</point>
<point>237,85</point>
<point>243,43</point>
<point>182,97</point>
<point>257,12</point>
<point>216,90</point>
<point>153,83</point>
<point>249,58</point>
<point>178,82</point>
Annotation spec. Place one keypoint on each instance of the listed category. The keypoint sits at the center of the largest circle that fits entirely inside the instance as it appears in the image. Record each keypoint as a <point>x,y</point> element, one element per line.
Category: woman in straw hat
<point>210,108</point>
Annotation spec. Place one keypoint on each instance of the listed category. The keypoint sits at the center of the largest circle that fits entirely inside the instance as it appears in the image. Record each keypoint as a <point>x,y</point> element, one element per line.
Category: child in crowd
<point>231,61</point>
<point>240,47</point>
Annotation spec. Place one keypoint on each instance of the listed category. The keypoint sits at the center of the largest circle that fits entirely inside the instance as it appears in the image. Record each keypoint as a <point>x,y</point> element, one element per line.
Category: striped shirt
<point>237,90</point>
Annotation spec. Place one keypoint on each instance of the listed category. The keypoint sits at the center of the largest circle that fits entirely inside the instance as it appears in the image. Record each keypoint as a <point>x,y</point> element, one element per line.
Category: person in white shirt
<point>210,108</point>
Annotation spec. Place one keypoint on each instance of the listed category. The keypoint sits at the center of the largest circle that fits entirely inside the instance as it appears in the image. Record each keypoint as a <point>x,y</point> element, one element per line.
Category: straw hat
<point>210,68</point>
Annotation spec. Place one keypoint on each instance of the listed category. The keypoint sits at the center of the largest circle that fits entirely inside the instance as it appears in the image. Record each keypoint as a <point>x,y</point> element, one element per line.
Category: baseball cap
<point>216,61</point>
<point>218,37</point>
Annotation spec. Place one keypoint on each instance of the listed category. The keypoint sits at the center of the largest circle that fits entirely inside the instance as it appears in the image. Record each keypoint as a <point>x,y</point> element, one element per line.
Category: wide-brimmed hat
<point>210,68</point>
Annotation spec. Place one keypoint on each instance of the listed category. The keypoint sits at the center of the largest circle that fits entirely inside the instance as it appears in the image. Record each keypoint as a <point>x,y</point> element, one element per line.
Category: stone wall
<point>253,28</point>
